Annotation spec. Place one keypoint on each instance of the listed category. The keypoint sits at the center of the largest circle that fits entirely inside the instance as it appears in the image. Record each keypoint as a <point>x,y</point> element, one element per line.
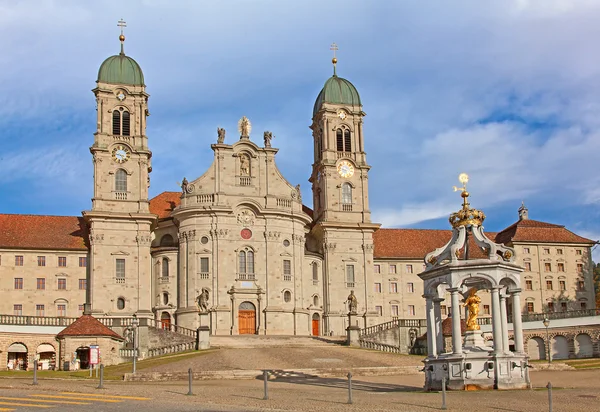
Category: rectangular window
<point>580,285</point>
<point>529,307</point>
<point>527,266</point>
<point>486,309</point>
<point>18,283</point>
<point>550,307</point>
<point>377,269</point>
<point>562,284</point>
<point>392,268</point>
<point>62,284</point>
<point>83,261</point>
<point>41,283</point>
<point>204,265</point>
<point>546,251</point>
<point>559,251</point>
<point>395,310</point>
<point>410,287</point>
<point>61,310</point>
<point>287,270</point>
<point>62,261</point>
<point>379,310</point>
<point>561,267</point>
<point>578,252</point>
<point>409,268</point>
<point>583,305</point>
<point>349,276</point>
<point>82,284</point>
<point>525,250</point>
<point>120,268</point>
<point>41,260</point>
<point>547,267</point>
<point>19,260</point>
<point>548,285</point>
<point>580,268</point>
<point>563,306</point>
<point>39,310</point>
<point>18,310</point>
<point>529,285</point>
<point>443,310</point>
<point>80,309</point>
<point>411,310</point>
<point>377,287</point>
<point>393,287</point>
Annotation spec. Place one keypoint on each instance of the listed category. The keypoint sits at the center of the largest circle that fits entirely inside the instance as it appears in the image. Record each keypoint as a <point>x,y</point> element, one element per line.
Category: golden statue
<point>472,303</point>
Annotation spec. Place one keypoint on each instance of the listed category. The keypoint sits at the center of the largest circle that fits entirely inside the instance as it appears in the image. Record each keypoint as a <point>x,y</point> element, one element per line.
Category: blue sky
<point>507,91</point>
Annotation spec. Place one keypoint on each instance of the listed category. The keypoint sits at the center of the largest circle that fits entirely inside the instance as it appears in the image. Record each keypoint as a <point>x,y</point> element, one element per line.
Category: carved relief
<point>96,237</point>
<point>219,233</point>
<point>272,235</point>
<point>298,239</point>
<point>144,239</point>
<point>246,217</point>
<point>367,247</point>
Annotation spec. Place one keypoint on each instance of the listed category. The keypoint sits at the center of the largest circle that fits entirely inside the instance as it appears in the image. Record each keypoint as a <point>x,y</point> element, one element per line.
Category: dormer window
<point>121,122</point>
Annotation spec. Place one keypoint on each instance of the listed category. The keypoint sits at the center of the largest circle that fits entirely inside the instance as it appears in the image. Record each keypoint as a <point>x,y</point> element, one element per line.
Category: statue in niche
<point>352,302</point>
<point>220,135</point>
<point>244,165</point>
<point>184,185</point>
<point>472,305</point>
<point>202,301</point>
<point>268,136</point>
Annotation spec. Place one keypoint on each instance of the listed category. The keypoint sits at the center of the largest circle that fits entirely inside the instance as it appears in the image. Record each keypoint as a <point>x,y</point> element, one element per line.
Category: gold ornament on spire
<point>122,23</point>
<point>466,216</point>
<point>334,48</point>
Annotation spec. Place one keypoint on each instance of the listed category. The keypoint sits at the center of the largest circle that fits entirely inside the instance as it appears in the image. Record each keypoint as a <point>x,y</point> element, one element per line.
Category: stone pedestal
<point>203,332</point>
<point>474,340</point>
<point>353,330</point>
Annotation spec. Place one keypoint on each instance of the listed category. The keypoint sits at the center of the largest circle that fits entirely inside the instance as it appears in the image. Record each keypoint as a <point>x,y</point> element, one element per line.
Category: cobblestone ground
<point>575,391</point>
<point>289,358</point>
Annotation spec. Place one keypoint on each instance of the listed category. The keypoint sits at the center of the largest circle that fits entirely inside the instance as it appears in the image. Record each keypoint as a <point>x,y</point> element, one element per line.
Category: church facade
<point>241,234</point>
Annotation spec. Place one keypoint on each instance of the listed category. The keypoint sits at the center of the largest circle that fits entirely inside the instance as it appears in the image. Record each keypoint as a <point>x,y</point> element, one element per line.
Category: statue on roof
<point>268,136</point>
<point>244,127</point>
<point>220,135</point>
<point>184,185</point>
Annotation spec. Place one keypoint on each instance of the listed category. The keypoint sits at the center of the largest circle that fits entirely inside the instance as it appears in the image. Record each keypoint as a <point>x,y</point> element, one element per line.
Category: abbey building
<point>242,235</point>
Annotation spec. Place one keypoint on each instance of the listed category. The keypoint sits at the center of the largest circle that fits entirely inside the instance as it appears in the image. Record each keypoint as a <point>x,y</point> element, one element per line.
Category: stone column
<point>496,321</point>
<point>456,335</point>
<point>517,321</point>
<point>504,323</point>
<point>431,333</point>
<point>439,337</point>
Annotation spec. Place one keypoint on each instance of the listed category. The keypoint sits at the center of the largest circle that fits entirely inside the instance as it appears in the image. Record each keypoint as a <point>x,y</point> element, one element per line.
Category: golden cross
<point>122,23</point>
<point>333,47</point>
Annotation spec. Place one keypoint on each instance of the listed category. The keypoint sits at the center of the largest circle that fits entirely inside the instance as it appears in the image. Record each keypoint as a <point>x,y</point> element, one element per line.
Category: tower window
<point>347,145</point>
<point>125,124</point>
<point>121,180</point>
<point>342,138</point>
<point>165,268</point>
<point>116,122</point>
<point>346,193</point>
<point>121,122</point>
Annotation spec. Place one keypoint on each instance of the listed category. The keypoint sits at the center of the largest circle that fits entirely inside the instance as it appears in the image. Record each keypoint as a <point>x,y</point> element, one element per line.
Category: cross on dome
<point>334,48</point>
<point>122,24</point>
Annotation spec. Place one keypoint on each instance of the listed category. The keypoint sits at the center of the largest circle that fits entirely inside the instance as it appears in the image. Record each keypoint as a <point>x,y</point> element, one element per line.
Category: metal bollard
<point>350,388</point>
<point>549,386</point>
<point>190,377</point>
<point>444,393</point>
<point>101,384</point>
<point>266,379</point>
<point>35,366</point>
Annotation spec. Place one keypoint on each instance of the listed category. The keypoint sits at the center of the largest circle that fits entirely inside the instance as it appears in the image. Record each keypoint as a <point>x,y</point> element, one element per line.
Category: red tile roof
<point>87,325</point>
<point>447,326</point>
<point>43,232</point>
<point>535,231</point>
<point>163,204</point>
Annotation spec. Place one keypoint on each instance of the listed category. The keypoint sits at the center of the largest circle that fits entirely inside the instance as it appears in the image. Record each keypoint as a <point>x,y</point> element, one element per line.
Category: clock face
<point>345,169</point>
<point>121,154</point>
<point>341,114</point>
<point>121,96</point>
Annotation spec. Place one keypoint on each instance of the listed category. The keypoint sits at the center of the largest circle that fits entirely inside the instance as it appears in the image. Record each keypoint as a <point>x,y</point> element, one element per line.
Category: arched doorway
<point>560,347</point>
<point>536,348</point>
<point>584,348</point>
<point>83,357</point>
<point>165,321</point>
<point>17,357</point>
<point>46,356</point>
<point>315,324</point>
<point>247,318</point>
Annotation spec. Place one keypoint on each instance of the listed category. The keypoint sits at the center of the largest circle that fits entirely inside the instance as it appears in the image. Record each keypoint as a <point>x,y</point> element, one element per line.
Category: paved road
<point>576,391</point>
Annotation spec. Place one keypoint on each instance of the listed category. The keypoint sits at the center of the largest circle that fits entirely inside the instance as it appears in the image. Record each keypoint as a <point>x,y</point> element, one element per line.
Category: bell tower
<point>341,201</point>
<point>119,221</point>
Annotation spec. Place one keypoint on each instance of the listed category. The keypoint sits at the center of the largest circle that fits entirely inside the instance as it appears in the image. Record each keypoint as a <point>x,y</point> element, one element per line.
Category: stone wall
<point>31,342</point>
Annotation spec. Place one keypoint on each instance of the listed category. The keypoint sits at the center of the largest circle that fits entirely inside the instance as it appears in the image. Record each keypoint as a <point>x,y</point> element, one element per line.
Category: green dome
<point>121,69</point>
<point>338,91</point>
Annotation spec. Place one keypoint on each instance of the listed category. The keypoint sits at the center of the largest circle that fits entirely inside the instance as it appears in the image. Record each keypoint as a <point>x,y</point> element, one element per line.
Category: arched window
<point>121,180</point>
<point>346,193</point>
<point>120,303</point>
<point>121,122</point>
<point>125,123</point>
<point>315,270</point>
<point>287,296</point>
<point>347,144</point>
<point>116,122</point>
<point>339,136</point>
<point>166,240</point>
<point>165,296</point>
<point>242,261</point>
<point>250,263</point>
<point>315,300</point>
<point>246,264</point>
<point>165,268</point>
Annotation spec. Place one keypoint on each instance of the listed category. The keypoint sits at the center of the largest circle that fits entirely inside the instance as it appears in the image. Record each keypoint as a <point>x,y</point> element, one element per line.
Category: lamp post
<point>546,324</point>
<point>134,324</point>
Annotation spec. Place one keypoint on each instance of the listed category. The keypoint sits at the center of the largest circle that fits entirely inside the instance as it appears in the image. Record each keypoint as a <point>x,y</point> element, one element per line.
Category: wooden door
<point>165,321</point>
<point>247,321</point>
<point>315,327</point>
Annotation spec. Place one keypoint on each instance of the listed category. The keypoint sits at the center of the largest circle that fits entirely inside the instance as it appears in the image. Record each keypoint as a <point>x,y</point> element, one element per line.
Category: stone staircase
<point>273,341</point>
<point>396,336</point>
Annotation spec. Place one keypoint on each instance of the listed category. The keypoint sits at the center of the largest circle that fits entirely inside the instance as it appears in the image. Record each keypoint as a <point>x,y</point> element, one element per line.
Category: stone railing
<point>205,198</point>
<point>533,317</point>
<point>287,203</point>
<point>367,344</point>
<point>396,323</point>
<point>36,320</point>
<point>172,328</point>
<point>179,347</point>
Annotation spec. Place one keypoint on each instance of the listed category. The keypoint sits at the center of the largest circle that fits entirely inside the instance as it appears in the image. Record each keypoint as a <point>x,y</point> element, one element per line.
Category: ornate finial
<point>466,216</point>
<point>122,23</point>
<point>334,47</point>
<point>244,127</point>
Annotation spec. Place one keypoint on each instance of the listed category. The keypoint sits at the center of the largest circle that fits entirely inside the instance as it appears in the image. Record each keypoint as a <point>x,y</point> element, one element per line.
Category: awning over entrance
<point>17,348</point>
<point>45,347</point>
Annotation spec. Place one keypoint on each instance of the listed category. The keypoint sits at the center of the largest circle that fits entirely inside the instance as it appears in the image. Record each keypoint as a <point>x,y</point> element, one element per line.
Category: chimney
<point>523,212</point>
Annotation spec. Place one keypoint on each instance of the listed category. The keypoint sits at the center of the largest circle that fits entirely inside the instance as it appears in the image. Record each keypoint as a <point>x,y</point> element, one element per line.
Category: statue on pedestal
<point>220,135</point>
<point>352,302</point>
<point>268,136</point>
<point>202,301</point>
<point>472,304</point>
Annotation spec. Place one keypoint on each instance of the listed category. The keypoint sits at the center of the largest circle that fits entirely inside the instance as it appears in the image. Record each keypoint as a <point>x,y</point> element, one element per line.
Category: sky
<point>507,91</point>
